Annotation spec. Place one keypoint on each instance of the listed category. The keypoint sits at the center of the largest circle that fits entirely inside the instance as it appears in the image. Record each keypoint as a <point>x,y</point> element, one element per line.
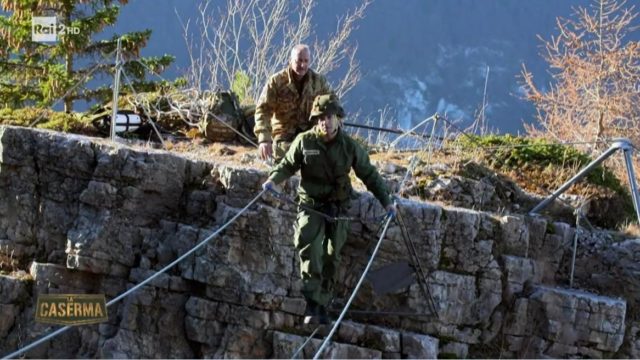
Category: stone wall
<point>85,216</point>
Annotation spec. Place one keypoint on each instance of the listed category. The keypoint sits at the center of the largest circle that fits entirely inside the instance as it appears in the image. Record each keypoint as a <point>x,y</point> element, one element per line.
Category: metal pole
<point>350,124</point>
<point>430,143</point>
<point>153,125</point>
<point>116,89</point>
<point>434,116</point>
<point>615,146</point>
<point>575,247</point>
<point>393,131</point>
<point>627,150</point>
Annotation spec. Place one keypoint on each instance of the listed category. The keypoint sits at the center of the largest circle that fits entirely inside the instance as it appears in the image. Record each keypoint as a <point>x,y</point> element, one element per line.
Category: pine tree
<point>36,73</point>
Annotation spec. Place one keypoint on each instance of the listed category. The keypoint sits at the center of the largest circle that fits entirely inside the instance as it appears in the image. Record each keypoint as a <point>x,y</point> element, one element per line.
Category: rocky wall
<point>87,216</point>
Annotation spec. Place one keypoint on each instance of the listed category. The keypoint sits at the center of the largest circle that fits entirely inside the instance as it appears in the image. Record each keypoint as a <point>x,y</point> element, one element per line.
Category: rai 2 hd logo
<point>47,29</point>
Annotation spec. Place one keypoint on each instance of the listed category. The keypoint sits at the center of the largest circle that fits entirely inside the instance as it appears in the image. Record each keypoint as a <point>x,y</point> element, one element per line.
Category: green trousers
<point>319,242</point>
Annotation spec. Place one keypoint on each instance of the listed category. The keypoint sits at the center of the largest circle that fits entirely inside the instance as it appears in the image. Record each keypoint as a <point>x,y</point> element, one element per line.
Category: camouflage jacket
<point>281,111</point>
<point>324,169</point>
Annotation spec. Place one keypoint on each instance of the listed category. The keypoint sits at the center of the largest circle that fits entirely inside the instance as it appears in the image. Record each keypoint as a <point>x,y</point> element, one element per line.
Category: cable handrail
<point>142,283</point>
<point>355,290</point>
<point>295,354</point>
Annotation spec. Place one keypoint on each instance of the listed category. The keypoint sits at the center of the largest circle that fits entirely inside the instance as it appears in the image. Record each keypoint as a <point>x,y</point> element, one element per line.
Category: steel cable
<point>144,282</point>
<point>355,290</point>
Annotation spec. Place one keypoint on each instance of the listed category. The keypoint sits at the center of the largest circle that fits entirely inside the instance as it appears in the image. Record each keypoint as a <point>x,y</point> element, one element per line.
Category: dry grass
<point>442,162</point>
<point>8,263</point>
<point>630,230</point>
<point>545,180</point>
<point>11,266</point>
<point>233,153</point>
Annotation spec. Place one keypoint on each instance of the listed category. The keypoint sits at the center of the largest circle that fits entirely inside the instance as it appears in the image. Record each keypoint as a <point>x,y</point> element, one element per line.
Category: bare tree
<point>595,71</point>
<point>245,41</point>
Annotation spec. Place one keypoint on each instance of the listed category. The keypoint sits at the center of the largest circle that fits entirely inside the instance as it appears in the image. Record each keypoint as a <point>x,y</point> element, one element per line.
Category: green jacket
<point>324,169</point>
<point>281,111</point>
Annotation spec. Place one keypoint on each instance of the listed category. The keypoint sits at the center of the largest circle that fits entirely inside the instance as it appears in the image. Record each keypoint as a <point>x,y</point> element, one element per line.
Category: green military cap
<point>326,105</point>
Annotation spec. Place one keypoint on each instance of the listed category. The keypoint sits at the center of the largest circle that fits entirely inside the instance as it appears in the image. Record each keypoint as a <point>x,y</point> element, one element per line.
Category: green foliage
<point>34,73</point>
<point>51,120</point>
<point>512,152</point>
<point>180,82</point>
<point>240,85</point>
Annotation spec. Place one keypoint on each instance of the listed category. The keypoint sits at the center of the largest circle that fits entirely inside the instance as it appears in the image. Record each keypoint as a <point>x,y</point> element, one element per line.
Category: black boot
<point>323,315</point>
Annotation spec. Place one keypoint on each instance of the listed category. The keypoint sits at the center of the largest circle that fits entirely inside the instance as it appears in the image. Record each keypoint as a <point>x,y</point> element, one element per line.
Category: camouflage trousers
<point>319,243</point>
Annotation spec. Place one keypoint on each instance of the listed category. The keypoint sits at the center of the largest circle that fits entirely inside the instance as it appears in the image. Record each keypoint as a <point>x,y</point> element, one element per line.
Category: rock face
<point>560,322</point>
<point>97,218</point>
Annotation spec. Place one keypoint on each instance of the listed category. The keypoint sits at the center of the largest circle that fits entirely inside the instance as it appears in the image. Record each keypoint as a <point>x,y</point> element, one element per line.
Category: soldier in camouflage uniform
<point>285,102</point>
<point>325,155</point>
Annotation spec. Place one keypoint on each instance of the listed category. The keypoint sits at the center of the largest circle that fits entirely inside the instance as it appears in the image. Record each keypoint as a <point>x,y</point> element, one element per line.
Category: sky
<point>417,57</point>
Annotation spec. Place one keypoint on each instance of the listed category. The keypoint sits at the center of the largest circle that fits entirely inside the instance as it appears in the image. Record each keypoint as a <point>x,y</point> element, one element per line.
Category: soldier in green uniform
<point>282,111</point>
<point>325,155</point>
